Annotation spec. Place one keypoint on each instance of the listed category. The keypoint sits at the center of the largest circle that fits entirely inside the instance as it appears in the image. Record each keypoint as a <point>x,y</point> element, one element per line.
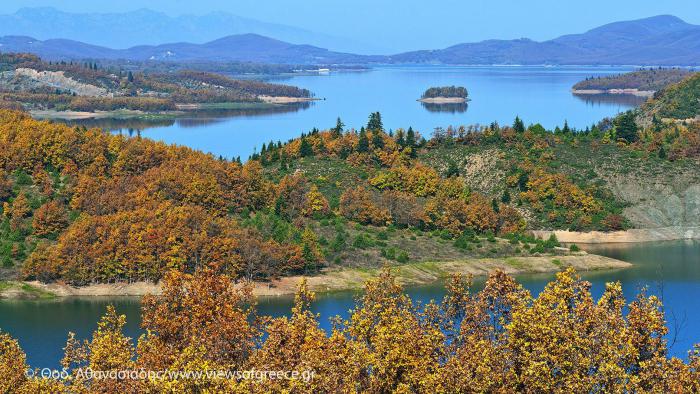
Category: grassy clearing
<point>19,290</point>
<point>425,272</point>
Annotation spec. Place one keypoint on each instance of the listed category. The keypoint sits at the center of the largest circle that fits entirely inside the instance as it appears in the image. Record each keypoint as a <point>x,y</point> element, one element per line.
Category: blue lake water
<point>670,270</point>
<point>536,94</point>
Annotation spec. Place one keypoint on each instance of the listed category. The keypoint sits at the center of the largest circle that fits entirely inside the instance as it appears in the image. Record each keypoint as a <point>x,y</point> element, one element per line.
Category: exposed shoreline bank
<point>286,100</point>
<point>626,236</point>
<point>342,279</point>
<point>182,109</point>
<point>633,92</point>
<point>443,100</point>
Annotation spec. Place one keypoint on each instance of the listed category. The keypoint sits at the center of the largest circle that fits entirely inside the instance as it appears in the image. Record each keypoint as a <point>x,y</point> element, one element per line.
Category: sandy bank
<point>78,115</point>
<point>428,272</point>
<point>103,289</point>
<point>443,100</point>
<point>285,99</point>
<point>353,279</point>
<point>633,92</point>
<point>627,236</point>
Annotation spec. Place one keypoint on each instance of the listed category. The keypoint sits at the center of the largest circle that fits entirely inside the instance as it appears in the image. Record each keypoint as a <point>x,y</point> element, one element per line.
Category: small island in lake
<point>643,82</point>
<point>445,95</point>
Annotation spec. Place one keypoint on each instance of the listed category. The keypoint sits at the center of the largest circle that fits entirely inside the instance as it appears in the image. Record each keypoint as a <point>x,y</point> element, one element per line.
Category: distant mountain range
<point>659,40</point>
<point>236,48</point>
<point>148,27</point>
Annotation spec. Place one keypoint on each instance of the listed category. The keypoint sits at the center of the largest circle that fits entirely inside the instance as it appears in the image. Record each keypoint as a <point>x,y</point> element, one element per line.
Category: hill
<point>35,84</point>
<point>644,80</point>
<point>82,206</point>
<point>679,101</point>
<point>659,40</point>
<point>148,27</point>
<point>234,48</point>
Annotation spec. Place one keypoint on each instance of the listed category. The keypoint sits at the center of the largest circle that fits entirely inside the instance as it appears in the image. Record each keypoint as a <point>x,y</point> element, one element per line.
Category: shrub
<point>402,257</point>
<point>362,241</point>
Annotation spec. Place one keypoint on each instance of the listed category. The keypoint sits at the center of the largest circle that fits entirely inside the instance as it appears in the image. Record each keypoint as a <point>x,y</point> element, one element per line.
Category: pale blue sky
<point>409,24</point>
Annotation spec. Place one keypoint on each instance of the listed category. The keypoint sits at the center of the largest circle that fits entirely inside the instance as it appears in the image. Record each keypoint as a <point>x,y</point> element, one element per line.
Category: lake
<point>498,93</point>
<point>536,94</point>
<point>670,270</point>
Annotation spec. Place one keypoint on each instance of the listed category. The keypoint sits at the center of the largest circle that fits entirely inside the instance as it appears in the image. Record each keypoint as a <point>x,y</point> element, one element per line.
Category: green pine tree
<point>363,142</point>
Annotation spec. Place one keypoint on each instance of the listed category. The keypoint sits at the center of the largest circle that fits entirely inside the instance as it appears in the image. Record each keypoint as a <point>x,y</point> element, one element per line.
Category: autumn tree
<point>358,204</point>
<point>316,203</point>
<point>18,211</point>
<point>201,311</point>
<point>49,218</point>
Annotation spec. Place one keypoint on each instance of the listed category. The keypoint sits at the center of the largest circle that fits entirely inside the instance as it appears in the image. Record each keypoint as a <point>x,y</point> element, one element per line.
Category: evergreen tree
<point>662,153</point>
<point>363,142</point>
<point>626,127</point>
<point>377,139</point>
<point>505,198</point>
<point>130,76</point>
<point>566,128</point>
<point>337,131</point>
<point>305,148</point>
<point>400,140</point>
<point>410,138</point>
<point>518,125</point>
<point>375,122</point>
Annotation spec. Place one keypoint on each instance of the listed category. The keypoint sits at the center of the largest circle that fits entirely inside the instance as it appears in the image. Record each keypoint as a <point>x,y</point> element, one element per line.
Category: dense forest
<point>499,339</point>
<point>646,79</point>
<point>446,91</point>
<point>83,206</point>
<point>27,81</point>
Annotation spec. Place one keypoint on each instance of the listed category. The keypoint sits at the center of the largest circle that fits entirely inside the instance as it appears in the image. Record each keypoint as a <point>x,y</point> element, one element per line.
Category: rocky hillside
<point>653,192</point>
<point>36,84</point>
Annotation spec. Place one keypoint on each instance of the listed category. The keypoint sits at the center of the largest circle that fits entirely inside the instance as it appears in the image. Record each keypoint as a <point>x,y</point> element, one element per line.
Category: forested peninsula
<point>74,90</point>
<point>643,82</point>
<point>82,207</point>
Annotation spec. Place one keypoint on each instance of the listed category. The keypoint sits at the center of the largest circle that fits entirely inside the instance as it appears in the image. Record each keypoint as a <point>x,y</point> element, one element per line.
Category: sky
<point>401,25</point>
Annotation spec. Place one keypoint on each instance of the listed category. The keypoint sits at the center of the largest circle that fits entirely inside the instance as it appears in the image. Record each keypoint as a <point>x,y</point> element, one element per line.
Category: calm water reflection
<point>670,270</point>
<point>452,108</point>
<point>536,94</point>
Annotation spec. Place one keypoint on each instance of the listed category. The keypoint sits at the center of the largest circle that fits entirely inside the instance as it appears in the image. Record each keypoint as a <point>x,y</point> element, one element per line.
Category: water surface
<point>535,93</point>
<point>670,270</point>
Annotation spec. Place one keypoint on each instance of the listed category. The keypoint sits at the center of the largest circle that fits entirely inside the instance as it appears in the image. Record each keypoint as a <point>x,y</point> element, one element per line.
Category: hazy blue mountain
<point>236,48</point>
<point>147,27</point>
<point>662,40</point>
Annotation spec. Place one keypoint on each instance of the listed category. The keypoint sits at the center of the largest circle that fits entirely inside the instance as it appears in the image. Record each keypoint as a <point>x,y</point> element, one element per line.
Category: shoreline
<point>443,100</point>
<point>342,279</point>
<point>626,236</point>
<point>116,114</point>
<point>182,109</point>
<point>286,99</point>
<point>632,92</point>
